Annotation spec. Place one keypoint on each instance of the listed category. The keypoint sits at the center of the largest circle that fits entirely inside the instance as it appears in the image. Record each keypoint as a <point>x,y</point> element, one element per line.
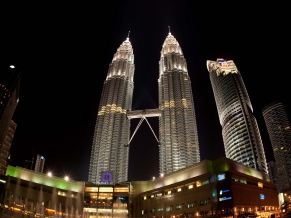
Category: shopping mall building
<point>220,188</point>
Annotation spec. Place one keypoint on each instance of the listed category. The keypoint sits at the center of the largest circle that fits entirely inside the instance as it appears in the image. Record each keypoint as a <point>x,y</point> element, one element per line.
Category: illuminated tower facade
<point>240,131</point>
<point>109,155</point>
<point>179,146</point>
<point>39,163</point>
<point>9,96</point>
<point>279,129</point>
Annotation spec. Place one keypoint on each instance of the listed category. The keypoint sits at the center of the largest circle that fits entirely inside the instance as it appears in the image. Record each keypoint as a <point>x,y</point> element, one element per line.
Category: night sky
<point>64,50</point>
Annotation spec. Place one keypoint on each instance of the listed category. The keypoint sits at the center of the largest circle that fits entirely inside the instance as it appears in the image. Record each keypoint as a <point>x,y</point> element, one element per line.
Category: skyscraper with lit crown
<point>109,156</point>
<point>179,146</point>
<point>240,131</point>
<point>279,129</point>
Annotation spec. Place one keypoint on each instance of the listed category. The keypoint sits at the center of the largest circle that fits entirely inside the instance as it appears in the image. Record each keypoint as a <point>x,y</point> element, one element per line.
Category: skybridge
<point>142,115</point>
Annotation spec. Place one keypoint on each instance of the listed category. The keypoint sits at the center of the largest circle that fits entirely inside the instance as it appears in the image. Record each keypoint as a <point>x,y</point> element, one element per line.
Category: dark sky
<point>64,51</point>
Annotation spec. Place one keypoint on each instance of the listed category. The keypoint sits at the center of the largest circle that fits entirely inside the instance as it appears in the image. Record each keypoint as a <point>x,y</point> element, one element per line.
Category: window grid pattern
<point>279,130</point>
<point>241,135</point>
<point>179,146</point>
<point>112,127</point>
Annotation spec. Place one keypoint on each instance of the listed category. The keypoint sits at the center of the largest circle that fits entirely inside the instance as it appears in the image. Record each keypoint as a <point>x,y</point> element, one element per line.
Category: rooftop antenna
<point>169,30</point>
<point>128,34</point>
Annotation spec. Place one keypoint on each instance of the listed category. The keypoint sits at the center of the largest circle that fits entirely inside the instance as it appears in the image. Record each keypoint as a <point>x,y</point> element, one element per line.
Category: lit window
<point>179,189</point>
<point>190,186</point>
<point>144,197</point>
<point>152,196</point>
<point>244,181</point>
<point>190,205</point>
<point>198,183</point>
<point>159,209</point>
<point>159,194</point>
<point>260,185</point>
<point>169,192</point>
<point>205,182</point>
<point>221,176</point>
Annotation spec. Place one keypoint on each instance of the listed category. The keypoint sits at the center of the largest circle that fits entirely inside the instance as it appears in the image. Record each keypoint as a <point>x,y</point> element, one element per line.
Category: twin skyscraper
<point>178,136</point>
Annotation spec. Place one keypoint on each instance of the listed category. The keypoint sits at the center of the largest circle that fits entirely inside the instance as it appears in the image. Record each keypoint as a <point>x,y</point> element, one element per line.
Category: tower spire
<point>127,39</point>
<point>169,30</point>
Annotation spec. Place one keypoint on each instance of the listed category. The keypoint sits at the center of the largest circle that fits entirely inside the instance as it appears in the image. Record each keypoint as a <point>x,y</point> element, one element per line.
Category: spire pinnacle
<point>169,30</point>
<point>127,39</point>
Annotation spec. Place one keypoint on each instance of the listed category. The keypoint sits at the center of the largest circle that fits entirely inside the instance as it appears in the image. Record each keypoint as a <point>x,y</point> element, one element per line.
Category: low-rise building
<point>209,188</point>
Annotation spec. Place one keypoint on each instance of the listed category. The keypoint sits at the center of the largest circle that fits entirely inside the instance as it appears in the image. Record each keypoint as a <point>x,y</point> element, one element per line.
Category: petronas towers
<point>109,157</point>
<point>177,123</point>
<point>178,137</point>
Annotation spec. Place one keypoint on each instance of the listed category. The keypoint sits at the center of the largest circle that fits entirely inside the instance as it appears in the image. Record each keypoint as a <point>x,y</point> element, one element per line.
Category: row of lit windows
<point>107,189</point>
<point>177,207</point>
<point>244,181</point>
<point>178,189</point>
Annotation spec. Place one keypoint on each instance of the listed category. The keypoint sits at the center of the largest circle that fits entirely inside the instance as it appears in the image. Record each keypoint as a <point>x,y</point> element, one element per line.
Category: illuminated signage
<point>223,191</point>
<point>221,176</point>
<point>223,63</point>
<point>225,198</point>
<point>262,196</point>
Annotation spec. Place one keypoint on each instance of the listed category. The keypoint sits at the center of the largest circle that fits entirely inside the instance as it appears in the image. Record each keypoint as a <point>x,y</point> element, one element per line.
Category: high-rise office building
<point>29,160</point>
<point>240,131</point>
<point>9,95</point>
<point>279,129</point>
<point>39,163</point>
<point>109,155</point>
<point>178,135</point>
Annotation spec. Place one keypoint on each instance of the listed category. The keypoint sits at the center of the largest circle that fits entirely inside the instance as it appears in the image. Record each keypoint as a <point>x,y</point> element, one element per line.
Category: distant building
<point>279,129</point>
<point>39,163</point>
<point>9,96</point>
<point>29,160</point>
<point>240,131</point>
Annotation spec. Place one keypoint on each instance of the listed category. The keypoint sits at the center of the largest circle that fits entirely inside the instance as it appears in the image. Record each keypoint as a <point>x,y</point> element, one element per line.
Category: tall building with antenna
<point>240,131</point>
<point>178,135</point>
<point>109,155</point>
<point>279,129</point>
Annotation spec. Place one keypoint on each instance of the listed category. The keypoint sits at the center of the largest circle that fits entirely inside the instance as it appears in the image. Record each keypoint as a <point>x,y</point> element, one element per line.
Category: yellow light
<point>49,174</point>
<point>66,178</point>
